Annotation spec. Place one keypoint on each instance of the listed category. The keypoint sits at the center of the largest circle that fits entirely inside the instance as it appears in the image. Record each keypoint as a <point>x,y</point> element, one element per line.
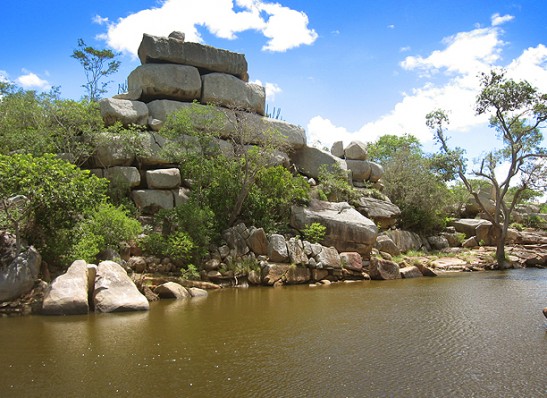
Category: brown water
<point>464,335</point>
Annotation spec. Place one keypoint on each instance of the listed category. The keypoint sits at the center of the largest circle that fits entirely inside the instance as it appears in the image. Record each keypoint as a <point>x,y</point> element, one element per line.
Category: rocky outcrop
<point>18,277</point>
<point>68,294</point>
<point>346,228</point>
<point>356,150</point>
<point>125,111</point>
<point>468,226</point>
<point>154,49</point>
<point>382,212</point>
<point>231,92</point>
<point>405,240</point>
<point>115,291</point>
<point>356,157</point>
<point>309,161</point>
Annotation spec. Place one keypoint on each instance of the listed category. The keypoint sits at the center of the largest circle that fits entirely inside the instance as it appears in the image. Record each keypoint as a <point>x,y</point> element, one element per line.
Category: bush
<point>335,186</point>
<point>315,232</point>
<point>106,227</point>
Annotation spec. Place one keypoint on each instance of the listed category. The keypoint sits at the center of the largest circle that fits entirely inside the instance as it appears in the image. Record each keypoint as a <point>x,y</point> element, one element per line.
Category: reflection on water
<point>461,335</point>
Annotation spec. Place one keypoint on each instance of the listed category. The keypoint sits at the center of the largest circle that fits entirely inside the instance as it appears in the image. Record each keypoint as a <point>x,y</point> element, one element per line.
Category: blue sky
<point>343,70</point>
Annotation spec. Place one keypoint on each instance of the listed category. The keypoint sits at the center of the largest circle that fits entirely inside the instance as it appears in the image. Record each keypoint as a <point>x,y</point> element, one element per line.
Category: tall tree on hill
<point>518,113</point>
<point>97,64</point>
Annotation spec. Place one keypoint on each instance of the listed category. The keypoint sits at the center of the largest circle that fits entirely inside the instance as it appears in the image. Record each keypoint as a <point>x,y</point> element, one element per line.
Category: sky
<point>345,70</point>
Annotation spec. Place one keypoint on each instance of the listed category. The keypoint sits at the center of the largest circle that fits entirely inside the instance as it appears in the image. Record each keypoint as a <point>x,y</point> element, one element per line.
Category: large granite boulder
<point>18,277</point>
<point>154,49</point>
<point>112,151</point>
<point>376,172</point>
<point>347,229</point>
<point>308,161</point>
<point>297,275</point>
<point>165,81</point>
<point>163,178</point>
<point>468,226</point>
<point>152,200</point>
<point>381,269</point>
<point>172,290</point>
<point>360,169</point>
<point>337,149</point>
<point>258,241</point>
<point>405,240</point>
<point>124,174</point>
<point>68,294</point>
<point>277,249</point>
<point>383,213</point>
<point>115,291</point>
<point>274,272</point>
<point>259,127</point>
<point>411,272</point>
<point>297,255</point>
<point>386,245</point>
<point>124,111</point>
<point>231,92</point>
<point>328,258</point>
<point>352,261</point>
<point>356,150</point>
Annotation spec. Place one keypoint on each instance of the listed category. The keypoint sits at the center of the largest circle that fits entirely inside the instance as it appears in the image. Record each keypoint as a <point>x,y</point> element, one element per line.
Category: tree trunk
<point>500,250</point>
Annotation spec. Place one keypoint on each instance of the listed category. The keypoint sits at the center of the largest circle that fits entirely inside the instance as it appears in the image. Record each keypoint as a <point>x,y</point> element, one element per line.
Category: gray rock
<point>347,229</point>
<point>115,291</point>
<point>277,249</point>
<point>112,151</point>
<point>68,293</point>
<point>19,276</point>
<point>470,242</point>
<point>337,149</point>
<point>273,272</point>
<point>329,258</point>
<point>259,128</point>
<point>360,169</point>
<point>308,161</point>
<point>297,256</point>
<point>383,213</point>
<point>468,225</point>
<point>228,91</point>
<point>123,174</point>
<point>381,269</point>
<point>155,49</point>
<point>152,153</point>
<point>425,270</point>
<point>236,238</point>
<point>172,290</point>
<point>405,240</point>
<point>410,272</point>
<point>356,150</point>
<point>376,172</point>
<point>165,81</point>
<point>175,35</point>
<point>124,111</point>
<point>197,292</point>
<point>181,195</point>
<point>352,261</point>
<point>258,241</point>
<point>438,242</point>
<point>386,245</point>
<point>163,178</point>
<point>152,200</point>
<point>297,275</point>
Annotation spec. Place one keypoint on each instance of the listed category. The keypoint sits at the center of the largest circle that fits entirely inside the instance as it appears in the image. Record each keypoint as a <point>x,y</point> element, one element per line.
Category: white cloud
<point>283,27</point>
<point>32,81</point>
<point>4,76</point>
<point>272,89</point>
<point>100,20</point>
<point>452,84</point>
<point>498,19</point>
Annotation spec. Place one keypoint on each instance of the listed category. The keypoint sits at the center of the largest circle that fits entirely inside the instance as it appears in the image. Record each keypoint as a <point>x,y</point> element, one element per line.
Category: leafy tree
<point>385,147</point>
<point>52,196</point>
<point>518,112</point>
<point>97,64</point>
<point>42,123</point>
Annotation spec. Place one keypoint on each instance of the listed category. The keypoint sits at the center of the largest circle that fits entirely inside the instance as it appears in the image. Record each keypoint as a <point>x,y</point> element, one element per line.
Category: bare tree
<point>518,112</point>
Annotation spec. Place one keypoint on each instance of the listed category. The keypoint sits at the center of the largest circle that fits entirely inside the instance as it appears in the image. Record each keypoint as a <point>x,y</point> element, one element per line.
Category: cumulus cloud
<point>31,80</point>
<point>284,27</point>
<point>272,89</point>
<point>451,83</point>
<point>100,20</point>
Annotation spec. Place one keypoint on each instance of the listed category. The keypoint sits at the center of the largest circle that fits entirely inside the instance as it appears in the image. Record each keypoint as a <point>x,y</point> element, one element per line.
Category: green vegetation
<point>314,233</point>
<point>334,185</point>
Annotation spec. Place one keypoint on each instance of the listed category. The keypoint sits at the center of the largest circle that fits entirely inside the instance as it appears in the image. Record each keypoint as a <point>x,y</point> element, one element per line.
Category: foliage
<point>271,197</point>
<point>314,233</point>
<point>56,194</point>
<point>97,64</point>
<point>105,227</point>
<point>384,149</point>
<point>334,184</point>
<point>518,111</point>
<point>178,245</point>
<point>43,123</point>
<point>242,184</point>
<point>190,272</point>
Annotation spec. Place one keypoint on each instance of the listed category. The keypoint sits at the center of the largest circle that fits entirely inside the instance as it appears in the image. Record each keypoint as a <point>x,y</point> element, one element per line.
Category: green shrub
<point>334,184</point>
<point>314,233</point>
<point>190,272</point>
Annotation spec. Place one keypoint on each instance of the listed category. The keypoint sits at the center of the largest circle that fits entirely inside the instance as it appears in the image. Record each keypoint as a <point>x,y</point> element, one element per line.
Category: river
<point>458,335</point>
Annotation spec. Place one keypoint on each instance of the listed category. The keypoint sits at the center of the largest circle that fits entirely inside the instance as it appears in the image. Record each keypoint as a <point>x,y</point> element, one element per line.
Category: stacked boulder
<point>356,156</point>
<point>177,75</point>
